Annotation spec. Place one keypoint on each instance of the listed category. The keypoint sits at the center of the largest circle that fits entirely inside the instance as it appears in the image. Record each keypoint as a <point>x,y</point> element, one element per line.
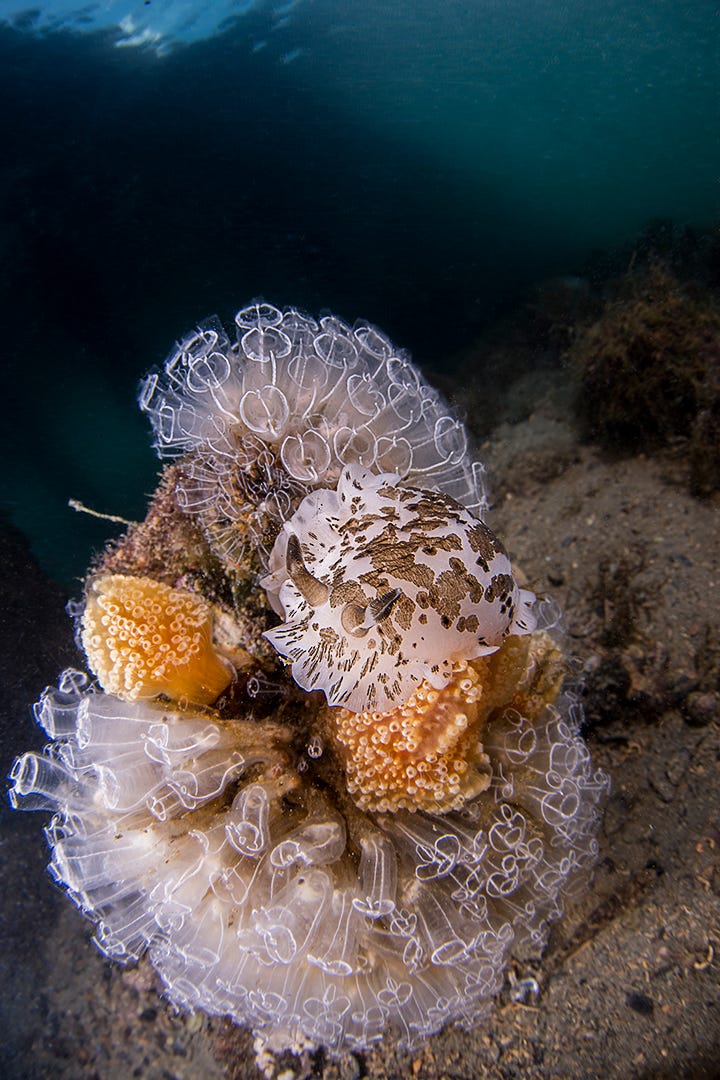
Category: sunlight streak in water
<point>157,25</point>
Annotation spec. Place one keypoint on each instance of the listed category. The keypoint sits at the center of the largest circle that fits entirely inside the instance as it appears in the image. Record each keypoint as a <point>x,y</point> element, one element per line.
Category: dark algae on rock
<point>649,372</point>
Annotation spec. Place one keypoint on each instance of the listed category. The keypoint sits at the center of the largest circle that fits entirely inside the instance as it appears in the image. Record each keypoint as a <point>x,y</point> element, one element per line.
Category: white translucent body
<point>279,413</point>
<point>249,912</point>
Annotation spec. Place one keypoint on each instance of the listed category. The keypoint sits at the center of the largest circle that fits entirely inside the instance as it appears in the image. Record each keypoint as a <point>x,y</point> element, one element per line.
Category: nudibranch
<point>384,586</point>
<point>328,775</point>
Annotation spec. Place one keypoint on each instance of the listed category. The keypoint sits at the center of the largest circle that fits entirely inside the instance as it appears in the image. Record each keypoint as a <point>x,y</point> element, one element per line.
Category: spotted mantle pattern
<point>395,585</point>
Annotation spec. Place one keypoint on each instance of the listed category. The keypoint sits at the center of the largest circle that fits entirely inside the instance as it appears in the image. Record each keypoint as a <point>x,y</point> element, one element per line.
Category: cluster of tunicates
<point>248,898</point>
<point>280,411</point>
<point>343,825</point>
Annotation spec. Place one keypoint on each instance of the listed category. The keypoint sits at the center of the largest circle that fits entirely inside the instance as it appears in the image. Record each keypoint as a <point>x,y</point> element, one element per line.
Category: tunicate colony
<point>325,770</point>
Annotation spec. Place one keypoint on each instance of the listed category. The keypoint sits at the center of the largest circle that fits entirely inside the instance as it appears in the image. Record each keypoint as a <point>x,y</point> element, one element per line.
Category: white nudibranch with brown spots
<point>383,586</point>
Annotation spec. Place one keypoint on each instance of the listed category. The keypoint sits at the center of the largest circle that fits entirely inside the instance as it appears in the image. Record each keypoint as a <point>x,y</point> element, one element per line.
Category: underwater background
<point>518,192</point>
<point>417,164</point>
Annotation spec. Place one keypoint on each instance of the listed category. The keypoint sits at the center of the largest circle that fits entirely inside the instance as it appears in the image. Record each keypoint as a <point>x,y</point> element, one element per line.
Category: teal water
<point>415,164</point>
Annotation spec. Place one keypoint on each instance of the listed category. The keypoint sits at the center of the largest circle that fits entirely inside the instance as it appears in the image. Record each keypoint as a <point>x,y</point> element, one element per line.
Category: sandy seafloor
<point>630,983</point>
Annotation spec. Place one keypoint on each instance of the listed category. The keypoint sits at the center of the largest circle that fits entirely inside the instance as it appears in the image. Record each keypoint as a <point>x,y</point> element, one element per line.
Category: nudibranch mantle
<point>384,586</point>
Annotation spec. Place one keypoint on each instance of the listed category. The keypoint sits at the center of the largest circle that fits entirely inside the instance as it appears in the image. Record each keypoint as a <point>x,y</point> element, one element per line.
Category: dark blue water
<point>416,164</point>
